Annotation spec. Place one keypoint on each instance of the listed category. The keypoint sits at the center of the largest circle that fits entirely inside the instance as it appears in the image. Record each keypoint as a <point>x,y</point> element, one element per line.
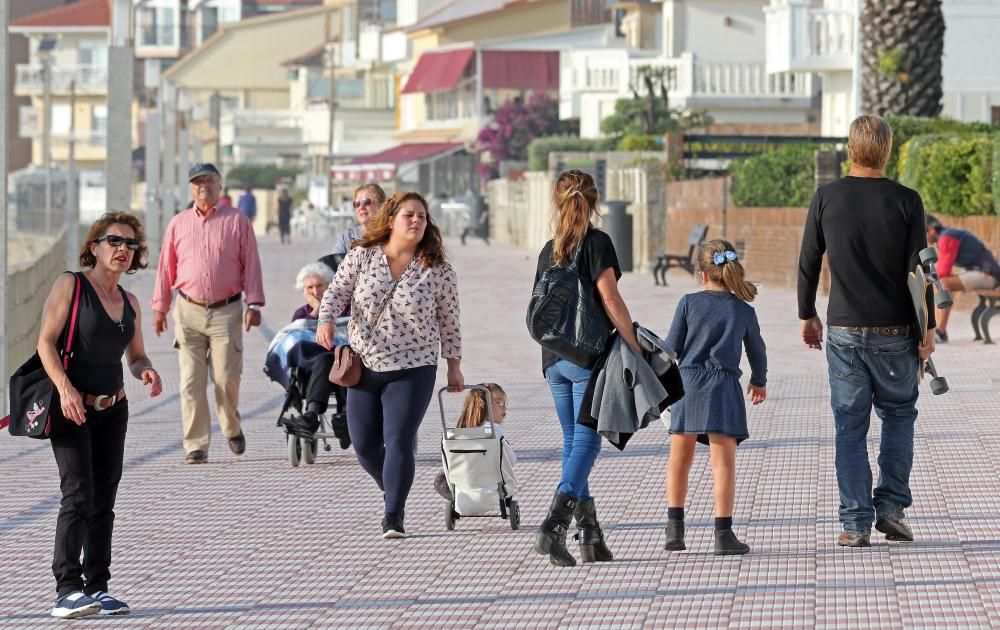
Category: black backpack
<point>563,316</point>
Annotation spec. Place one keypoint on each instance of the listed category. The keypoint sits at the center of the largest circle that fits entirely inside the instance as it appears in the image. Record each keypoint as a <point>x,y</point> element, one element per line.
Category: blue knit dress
<point>709,331</point>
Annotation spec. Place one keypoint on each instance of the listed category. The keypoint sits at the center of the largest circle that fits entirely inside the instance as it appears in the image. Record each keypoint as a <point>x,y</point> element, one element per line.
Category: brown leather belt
<point>220,303</point>
<point>885,331</point>
<point>101,402</point>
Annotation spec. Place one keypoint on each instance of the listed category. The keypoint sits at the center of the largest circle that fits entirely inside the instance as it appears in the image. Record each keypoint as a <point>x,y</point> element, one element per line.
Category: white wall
<point>702,29</point>
<point>971,64</point>
<point>409,12</point>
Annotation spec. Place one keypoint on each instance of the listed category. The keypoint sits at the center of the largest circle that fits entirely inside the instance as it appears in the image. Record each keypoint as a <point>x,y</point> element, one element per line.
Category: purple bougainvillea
<point>515,124</point>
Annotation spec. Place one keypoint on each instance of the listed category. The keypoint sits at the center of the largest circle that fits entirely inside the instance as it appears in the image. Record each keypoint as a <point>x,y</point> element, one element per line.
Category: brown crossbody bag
<point>346,370</point>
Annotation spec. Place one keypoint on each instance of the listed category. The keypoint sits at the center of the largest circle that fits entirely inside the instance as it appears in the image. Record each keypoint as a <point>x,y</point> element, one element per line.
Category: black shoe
<point>589,533</point>
<point>196,457</point>
<point>847,539</point>
<point>304,426</point>
<point>392,526</point>
<point>441,486</point>
<point>339,425</point>
<point>726,544</point>
<point>894,528</point>
<point>551,538</point>
<point>941,335</point>
<point>238,444</point>
<point>675,536</point>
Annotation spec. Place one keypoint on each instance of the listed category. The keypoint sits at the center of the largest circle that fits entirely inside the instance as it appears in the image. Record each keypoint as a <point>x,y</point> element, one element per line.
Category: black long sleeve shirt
<point>872,231</point>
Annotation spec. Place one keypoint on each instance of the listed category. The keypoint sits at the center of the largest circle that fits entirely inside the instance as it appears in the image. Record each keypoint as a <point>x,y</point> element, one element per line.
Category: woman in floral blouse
<point>404,313</point>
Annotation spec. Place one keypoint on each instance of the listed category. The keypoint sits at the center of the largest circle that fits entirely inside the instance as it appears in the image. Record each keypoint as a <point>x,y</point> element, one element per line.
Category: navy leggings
<point>384,411</point>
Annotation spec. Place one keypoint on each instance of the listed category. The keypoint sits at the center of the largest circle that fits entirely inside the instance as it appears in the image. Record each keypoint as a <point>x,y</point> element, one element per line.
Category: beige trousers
<point>208,339</point>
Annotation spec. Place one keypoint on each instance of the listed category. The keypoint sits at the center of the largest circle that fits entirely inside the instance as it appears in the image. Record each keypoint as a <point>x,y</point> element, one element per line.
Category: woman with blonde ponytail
<point>709,332</point>
<point>574,197</point>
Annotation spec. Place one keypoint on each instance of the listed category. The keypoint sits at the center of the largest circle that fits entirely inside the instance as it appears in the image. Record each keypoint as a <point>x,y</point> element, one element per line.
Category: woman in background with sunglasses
<point>88,430</point>
<point>368,200</point>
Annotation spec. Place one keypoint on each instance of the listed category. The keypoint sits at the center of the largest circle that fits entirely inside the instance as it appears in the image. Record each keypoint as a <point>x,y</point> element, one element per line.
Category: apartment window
<point>60,120</point>
<point>995,115</point>
<point>156,26</point>
<point>99,122</point>
<point>92,54</point>
<point>584,12</point>
<point>209,22</point>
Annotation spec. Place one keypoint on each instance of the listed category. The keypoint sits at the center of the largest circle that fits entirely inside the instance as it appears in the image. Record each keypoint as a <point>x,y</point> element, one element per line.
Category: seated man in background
<point>960,248</point>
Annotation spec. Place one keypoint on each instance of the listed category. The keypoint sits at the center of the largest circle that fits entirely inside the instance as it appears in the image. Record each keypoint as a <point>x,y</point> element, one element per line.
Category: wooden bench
<point>983,313</point>
<point>687,261</point>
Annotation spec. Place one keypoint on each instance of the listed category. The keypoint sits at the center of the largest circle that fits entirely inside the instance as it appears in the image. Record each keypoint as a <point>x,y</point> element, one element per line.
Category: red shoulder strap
<point>72,322</point>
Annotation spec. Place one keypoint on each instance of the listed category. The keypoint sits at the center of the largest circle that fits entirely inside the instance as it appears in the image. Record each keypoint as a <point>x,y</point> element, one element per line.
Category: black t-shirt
<point>597,255</point>
<point>872,231</point>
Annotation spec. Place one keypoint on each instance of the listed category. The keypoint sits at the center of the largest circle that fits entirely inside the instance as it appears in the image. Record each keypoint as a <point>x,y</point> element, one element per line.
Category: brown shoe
<point>847,539</point>
<point>238,444</point>
<point>196,457</point>
<point>894,528</point>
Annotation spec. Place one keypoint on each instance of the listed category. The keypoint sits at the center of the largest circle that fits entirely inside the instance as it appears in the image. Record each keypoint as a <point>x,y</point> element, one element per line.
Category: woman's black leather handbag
<point>32,394</point>
<point>563,315</point>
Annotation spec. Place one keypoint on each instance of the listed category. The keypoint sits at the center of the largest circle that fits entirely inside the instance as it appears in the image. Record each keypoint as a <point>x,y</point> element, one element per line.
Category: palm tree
<point>901,46</point>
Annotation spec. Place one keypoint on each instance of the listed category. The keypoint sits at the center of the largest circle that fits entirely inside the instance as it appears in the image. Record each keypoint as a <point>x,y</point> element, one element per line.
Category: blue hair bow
<point>720,258</point>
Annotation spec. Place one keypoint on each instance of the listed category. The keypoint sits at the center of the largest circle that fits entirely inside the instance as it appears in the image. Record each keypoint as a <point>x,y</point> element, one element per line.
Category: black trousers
<point>319,387</point>
<point>90,459</point>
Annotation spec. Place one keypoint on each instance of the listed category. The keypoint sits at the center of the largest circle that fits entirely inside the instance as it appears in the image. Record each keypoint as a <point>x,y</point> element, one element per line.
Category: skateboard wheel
<point>928,256</point>
<point>943,299</point>
<point>939,386</point>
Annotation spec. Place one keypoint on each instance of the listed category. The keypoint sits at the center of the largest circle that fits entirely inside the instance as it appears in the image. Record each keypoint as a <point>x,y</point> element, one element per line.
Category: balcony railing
<point>30,79</point>
<point>158,36</point>
<point>803,37</point>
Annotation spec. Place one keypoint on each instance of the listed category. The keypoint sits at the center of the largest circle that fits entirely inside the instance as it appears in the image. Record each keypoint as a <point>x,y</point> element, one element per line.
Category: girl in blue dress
<point>709,331</point>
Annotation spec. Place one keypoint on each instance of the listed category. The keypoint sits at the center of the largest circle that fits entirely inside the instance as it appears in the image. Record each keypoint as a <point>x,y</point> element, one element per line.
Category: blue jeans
<point>872,370</point>
<point>581,444</point>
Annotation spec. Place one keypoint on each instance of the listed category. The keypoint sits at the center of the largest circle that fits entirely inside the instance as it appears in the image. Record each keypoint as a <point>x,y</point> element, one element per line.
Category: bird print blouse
<point>420,316</point>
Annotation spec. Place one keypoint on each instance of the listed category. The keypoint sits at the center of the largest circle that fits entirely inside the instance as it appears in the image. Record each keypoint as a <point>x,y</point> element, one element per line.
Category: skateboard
<point>917,282</point>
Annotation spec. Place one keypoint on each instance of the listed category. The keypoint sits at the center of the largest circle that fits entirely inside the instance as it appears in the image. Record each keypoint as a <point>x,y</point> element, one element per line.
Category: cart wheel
<point>939,386</point>
<point>293,449</point>
<point>928,255</point>
<point>450,516</point>
<point>515,515</point>
<point>308,448</point>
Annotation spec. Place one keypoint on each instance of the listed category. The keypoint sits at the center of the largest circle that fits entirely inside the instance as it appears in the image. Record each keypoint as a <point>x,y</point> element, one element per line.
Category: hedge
<point>956,174</point>
<point>782,178</point>
<point>539,148</point>
<point>906,127</point>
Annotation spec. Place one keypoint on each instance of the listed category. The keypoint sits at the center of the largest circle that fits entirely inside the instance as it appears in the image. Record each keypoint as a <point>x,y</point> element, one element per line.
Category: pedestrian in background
<point>209,256</point>
<point>285,216</point>
<point>871,230</point>
<point>88,429</point>
<point>368,200</point>
<point>404,315</point>
<point>225,199</point>
<point>248,204</point>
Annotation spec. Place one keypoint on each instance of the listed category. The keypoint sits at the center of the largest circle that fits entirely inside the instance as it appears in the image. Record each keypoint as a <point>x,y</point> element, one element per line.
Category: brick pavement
<point>252,542</point>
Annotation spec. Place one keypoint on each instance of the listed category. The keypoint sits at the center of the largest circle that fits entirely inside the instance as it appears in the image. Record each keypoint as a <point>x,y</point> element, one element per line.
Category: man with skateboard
<point>961,248</point>
<point>872,230</point>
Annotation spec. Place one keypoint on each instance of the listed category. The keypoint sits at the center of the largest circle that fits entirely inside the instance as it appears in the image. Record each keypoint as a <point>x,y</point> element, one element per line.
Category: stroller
<point>291,351</point>
<point>479,469</point>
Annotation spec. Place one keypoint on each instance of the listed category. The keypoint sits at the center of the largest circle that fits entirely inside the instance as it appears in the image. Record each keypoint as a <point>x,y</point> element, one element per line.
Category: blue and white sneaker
<point>75,604</point>
<point>110,605</point>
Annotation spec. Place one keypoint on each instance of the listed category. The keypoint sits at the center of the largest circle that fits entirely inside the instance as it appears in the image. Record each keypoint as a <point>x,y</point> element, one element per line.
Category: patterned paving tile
<point>251,542</point>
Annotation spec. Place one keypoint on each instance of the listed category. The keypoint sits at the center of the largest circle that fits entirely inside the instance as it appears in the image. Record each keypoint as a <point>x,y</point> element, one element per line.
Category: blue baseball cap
<point>203,168</point>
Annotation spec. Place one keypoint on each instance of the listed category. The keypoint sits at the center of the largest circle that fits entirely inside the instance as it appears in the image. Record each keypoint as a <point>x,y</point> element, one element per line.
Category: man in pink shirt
<point>209,256</point>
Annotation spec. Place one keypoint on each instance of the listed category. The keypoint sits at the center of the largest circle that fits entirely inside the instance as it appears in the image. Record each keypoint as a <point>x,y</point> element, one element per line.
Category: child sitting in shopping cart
<point>474,413</point>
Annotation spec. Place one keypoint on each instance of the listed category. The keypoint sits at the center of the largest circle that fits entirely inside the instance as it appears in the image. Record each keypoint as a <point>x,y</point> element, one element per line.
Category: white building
<point>806,35</point>
<point>715,51</point>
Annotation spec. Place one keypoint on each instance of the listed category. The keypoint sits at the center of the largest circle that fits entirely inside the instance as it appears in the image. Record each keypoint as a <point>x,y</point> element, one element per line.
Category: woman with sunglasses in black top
<point>368,200</point>
<point>88,428</point>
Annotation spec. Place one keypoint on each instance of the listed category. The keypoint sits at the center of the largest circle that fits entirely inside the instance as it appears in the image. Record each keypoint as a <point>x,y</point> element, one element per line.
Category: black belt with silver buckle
<point>885,331</point>
<point>219,304</point>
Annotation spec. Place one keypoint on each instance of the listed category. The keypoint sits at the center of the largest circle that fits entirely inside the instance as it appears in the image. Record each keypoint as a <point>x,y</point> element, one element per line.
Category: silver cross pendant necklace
<point>121,324</point>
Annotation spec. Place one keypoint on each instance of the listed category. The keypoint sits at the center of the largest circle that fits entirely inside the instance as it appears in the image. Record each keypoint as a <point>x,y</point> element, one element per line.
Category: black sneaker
<point>392,526</point>
<point>940,335</point>
<point>339,425</point>
<point>894,528</point>
<point>305,425</point>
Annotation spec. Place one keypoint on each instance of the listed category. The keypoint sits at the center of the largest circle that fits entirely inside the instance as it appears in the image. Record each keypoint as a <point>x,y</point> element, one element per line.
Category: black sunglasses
<point>362,202</point>
<point>116,241</point>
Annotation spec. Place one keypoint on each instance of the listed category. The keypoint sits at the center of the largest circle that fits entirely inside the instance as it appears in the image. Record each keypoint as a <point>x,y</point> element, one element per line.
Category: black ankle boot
<point>727,544</point>
<point>590,535</point>
<point>675,536</point>
<point>551,538</point>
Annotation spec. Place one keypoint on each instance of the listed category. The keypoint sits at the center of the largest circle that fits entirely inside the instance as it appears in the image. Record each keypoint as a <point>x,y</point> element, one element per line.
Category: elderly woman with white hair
<point>312,280</point>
